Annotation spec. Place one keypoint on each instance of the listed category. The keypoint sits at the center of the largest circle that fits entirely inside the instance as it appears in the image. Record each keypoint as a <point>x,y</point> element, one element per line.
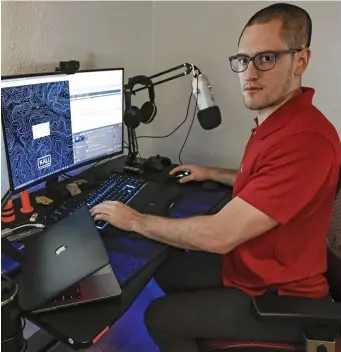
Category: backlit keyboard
<point>118,187</point>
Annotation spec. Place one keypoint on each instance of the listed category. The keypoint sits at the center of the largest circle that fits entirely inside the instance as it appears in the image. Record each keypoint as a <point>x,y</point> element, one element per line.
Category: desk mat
<point>130,253</point>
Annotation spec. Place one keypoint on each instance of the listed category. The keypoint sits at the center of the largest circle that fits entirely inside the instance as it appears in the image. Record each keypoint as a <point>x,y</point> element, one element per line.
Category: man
<point>272,235</point>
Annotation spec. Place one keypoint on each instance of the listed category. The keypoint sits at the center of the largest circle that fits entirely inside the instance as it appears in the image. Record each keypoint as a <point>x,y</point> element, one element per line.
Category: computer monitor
<point>54,122</point>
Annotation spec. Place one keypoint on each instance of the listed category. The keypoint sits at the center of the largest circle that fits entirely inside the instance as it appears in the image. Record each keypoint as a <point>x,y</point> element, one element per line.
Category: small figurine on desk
<point>8,214</point>
<point>26,206</point>
<point>44,200</point>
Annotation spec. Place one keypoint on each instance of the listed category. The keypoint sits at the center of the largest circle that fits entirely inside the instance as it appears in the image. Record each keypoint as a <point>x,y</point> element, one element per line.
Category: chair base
<point>241,346</point>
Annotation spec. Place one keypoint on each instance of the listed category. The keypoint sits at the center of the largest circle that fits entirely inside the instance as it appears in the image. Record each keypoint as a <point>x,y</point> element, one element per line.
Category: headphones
<point>133,116</point>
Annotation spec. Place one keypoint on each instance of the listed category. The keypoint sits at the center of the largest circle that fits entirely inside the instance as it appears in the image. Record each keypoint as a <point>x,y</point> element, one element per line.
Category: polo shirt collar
<point>279,118</point>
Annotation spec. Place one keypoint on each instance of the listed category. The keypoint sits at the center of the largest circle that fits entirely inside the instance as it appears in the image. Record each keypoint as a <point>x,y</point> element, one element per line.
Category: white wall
<point>206,34</point>
<point>36,35</point>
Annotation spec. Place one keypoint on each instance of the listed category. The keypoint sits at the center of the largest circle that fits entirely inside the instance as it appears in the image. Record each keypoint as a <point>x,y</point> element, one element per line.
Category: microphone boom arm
<point>132,141</point>
<point>189,68</point>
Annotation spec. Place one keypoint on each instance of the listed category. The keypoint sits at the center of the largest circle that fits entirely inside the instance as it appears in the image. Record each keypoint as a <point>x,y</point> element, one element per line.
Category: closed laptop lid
<point>64,254</point>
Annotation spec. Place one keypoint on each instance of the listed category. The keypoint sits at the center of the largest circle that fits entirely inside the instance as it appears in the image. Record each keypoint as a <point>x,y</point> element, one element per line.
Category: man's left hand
<point>117,214</point>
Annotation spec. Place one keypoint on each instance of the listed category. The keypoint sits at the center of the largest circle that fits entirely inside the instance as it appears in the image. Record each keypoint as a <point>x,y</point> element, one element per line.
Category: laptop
<point>66,265</point>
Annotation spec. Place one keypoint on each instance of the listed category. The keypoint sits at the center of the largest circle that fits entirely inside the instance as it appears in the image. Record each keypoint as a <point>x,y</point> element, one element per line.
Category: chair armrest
<point>316,311</point>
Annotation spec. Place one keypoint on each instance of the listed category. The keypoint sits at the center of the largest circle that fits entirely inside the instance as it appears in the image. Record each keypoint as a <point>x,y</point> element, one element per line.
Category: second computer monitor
<point>53,123</point>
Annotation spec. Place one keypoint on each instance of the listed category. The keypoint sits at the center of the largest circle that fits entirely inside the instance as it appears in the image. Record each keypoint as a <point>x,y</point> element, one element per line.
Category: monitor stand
<point>55,190</point>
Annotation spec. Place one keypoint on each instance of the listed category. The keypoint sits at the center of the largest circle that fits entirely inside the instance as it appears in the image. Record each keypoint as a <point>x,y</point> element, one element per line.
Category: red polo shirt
<point>289,171</point>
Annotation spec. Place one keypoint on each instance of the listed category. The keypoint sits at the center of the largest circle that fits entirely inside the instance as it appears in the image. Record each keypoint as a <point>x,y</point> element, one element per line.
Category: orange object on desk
<point>8,215</point>
<point>26,206</point>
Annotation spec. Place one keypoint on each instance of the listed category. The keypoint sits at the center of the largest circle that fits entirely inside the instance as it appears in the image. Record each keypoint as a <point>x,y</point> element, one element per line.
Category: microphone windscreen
<point>209,118</point>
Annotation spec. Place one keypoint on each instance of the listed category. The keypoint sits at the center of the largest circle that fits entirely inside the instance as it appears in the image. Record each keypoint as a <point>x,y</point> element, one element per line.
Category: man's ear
<point>303,58</point>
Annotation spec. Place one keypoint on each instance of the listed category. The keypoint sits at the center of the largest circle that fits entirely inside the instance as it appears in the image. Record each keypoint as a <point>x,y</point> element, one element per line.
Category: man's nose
<point>251,73</point>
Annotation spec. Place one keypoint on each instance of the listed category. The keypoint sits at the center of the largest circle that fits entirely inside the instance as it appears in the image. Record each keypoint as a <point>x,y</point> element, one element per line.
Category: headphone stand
<point>132,148</point>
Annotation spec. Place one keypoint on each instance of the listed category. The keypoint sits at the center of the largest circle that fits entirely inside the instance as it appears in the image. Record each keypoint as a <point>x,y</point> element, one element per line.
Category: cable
<point>169,134</point>
<point>94,164</point>
<point>8,232</point>
<point>20,332</point>
<point>24,347</point>
<point>190,127</point>
<point>24,323</point>
<point>189,130</point>
<point>137,147</point>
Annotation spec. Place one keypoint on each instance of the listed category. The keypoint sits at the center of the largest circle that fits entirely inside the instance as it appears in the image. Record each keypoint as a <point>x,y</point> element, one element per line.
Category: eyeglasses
<point>264,61</point>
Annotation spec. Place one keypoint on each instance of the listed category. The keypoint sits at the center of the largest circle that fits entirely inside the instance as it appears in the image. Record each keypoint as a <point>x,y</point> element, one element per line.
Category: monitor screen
<point>55,122</point>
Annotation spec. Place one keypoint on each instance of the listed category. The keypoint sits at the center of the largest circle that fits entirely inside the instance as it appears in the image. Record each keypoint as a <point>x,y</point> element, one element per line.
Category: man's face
<point>263,89</point>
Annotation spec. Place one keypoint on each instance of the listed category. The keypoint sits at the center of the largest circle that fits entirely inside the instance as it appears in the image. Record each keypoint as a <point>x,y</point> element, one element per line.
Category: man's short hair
<point>296,23</point>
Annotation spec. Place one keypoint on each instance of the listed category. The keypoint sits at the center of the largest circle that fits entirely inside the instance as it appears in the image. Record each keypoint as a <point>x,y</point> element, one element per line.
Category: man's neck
<point>265,113</point>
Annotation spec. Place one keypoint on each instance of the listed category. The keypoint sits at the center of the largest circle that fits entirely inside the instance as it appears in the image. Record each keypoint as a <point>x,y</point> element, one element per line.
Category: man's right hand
<point>198,173</point>
<point>201,173</point>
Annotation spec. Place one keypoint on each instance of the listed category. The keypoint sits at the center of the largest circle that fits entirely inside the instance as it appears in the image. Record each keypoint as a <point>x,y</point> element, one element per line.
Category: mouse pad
<point>198,203</point>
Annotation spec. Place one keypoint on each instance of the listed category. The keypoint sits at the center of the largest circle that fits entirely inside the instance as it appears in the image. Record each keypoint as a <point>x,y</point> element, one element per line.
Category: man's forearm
<point>196,233</point>
<point>224,176</point>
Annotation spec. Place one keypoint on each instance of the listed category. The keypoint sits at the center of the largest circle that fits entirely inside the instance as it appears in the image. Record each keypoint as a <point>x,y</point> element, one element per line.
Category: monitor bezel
<point>7,196</point>
<point>72,167</point>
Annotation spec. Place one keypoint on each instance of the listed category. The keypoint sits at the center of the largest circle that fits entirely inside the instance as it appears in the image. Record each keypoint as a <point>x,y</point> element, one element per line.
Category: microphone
<point>209,115</point>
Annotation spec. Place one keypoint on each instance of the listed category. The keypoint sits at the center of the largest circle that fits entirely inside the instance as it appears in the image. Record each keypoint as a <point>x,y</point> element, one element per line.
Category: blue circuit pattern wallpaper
<point>44,109</point>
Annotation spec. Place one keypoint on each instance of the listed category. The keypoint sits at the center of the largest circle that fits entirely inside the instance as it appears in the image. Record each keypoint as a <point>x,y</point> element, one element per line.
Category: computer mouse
<point>179,175</point>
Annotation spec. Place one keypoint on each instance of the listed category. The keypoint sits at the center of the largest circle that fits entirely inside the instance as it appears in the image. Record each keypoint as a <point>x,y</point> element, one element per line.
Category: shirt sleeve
<point>290,175</point>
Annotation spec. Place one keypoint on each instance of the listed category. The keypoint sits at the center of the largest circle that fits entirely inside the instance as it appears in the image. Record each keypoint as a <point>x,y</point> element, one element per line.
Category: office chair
<point>324,334</point>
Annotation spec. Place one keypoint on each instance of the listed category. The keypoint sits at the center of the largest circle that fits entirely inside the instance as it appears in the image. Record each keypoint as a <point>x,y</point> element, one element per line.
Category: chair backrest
<point>334,248</point>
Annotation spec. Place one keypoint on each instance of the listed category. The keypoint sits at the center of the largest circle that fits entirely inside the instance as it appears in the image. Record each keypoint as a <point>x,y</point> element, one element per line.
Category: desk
<point>79,326</point>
